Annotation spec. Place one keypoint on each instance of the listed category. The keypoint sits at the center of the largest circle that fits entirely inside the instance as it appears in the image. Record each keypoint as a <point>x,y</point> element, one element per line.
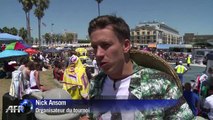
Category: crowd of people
<point>198,93</point>
<point>121,77</point>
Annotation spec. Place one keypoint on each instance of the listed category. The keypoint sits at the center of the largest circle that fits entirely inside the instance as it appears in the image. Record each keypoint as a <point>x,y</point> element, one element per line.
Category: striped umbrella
<point>16,46</point>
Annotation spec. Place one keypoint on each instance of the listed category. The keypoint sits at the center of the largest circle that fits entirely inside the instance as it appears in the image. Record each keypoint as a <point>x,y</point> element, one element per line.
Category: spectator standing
<point>191,98</point>
<point>188,61</point>
<point>96,68</point>
<point>206,83</point>
<point>181,70</point>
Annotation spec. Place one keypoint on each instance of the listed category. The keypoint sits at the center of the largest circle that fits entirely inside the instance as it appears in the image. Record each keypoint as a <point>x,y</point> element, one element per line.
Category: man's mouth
<point>102,64</point>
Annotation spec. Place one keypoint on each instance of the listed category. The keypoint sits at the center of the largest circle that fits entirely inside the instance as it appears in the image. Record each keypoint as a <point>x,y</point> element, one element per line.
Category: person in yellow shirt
<point>188,61</point>
<point>181,70</point>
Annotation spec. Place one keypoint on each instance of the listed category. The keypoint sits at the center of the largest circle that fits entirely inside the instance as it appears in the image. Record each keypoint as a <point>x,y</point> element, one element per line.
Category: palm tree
<point>99,1</point>
<point>41,5</point>
<point>27,6</point>
<point>23,33</point>
<point>69,37</point>
<point>6,30</point>
<point>47,37</point>
<point>13,31</point>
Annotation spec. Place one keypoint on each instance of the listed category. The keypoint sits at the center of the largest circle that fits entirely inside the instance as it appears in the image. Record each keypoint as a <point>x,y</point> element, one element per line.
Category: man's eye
<point>105,46</point>
<point>94,47</point>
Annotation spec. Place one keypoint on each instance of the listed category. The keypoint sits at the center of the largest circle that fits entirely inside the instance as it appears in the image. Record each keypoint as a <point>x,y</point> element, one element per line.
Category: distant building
<point>155,32</point>
<point>190,38</point>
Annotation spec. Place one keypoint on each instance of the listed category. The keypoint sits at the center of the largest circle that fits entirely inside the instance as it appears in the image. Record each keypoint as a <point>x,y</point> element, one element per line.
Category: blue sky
<point>194,16</point>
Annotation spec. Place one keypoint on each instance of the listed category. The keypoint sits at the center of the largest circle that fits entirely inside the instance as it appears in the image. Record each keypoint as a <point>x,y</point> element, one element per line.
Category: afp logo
<point>25,106</point>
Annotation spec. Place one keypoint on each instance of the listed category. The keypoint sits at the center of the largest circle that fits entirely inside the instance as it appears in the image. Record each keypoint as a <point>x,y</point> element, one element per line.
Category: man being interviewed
<point>123,78</point>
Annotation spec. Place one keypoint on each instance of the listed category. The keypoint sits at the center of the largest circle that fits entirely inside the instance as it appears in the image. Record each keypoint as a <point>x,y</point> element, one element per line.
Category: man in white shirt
<point>96,69</point>
<point>208,104</point>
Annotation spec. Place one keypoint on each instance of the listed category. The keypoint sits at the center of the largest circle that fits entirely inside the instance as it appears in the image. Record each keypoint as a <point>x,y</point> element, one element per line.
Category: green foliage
<point>47,37</point>
<point>27,5</point>
<point>13,31</point>
<point>23,33</point>
<point>83,41</point>
<point>6,30</point>
<point>41,5</point>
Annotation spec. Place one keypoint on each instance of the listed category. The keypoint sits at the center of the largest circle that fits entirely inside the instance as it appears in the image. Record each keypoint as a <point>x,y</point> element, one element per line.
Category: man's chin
<point>108,71</point>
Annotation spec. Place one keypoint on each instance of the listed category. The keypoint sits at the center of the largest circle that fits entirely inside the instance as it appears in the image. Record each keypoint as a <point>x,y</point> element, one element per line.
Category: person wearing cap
<point>121,77</point>
<point>181,70</point>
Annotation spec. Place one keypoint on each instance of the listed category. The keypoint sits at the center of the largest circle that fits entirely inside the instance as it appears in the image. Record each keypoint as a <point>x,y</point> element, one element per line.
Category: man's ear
<point>126,45</point>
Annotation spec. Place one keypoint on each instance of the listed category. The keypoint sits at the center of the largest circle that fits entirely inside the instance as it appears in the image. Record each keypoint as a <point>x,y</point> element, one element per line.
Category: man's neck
<point>126,71</point>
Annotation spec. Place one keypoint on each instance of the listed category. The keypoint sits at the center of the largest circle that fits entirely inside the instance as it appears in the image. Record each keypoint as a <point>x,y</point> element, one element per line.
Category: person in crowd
<point>55,70</point>
<point>3,46</point>
<point>8,69</point>
<point>181,70</point>
<point>206,83</point>
<point>75,79</point>
<point>110,40</point>
<point>25,70</point>
<point>60,71</point>
<point>188,61</point>
<point>35,76</point>
<point>96,68</point>
<point>200,78</point>
<point>191,98</point>
<point>208,61</point>
<point>41,57</point>
<point>23,63</point>
<point>208,104</point>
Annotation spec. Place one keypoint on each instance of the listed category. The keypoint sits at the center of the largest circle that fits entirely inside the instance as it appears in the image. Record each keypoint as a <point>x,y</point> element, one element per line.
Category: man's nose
<point>100,52</point>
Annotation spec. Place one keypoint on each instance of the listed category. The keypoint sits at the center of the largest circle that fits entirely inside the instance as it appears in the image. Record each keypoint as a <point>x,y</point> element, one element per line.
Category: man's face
<point>108,50</point>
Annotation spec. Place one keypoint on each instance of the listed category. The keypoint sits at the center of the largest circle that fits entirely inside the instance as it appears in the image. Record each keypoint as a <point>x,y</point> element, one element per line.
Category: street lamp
<point>99,1</point>
<point>52,28</point>
<point>52,32</point>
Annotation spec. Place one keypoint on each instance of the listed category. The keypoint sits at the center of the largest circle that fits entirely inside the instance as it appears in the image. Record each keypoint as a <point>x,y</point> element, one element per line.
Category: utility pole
<point>99,1</point>
<point>52,33</point>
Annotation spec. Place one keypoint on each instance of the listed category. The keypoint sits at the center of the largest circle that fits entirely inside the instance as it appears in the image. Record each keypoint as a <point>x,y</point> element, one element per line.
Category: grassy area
<point>46,80</point>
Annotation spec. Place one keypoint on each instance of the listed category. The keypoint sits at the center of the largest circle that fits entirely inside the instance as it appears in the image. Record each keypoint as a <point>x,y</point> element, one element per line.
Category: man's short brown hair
<point>120,27</point>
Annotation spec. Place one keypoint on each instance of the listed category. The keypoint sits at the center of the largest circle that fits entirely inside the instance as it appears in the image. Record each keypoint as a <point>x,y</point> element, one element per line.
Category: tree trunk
<point>39,33</point>
<point>28,26</point>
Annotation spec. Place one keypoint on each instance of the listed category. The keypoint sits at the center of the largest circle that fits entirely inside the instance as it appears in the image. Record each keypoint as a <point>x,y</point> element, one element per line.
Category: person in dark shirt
<point>8,69</point>
<point>191,98</point>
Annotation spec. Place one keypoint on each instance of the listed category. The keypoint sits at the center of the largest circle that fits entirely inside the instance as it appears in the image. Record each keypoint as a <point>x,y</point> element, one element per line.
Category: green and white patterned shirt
<point>150,84</point>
